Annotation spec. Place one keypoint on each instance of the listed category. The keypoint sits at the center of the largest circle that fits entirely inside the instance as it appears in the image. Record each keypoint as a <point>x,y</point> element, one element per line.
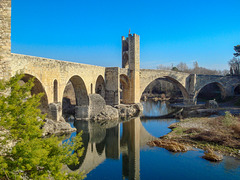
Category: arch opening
<point>100,86</point>
<point>165,88</point>
<point>237,90</point>
<point>36,89</point>
<point>211,91</point>
<point>124,89</point>
<point>75,94</point>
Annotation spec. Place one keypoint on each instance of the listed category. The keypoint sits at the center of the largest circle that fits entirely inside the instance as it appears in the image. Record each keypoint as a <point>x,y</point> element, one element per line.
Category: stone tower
<point>131,61</point>
<point>5,38</point>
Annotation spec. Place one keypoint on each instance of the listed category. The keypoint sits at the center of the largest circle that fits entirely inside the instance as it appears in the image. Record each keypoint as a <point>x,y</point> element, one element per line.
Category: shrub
<point>228,119</point>
<point>31,156</point>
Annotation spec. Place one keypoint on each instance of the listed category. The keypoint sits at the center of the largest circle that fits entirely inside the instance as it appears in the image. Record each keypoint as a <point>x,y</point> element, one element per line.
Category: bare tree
<point>234,64</point>
<point>162,67</point>
<point>182,67</point>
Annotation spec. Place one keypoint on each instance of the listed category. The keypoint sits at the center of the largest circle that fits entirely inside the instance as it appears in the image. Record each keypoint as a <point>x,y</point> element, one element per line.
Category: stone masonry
<point>5,37</point>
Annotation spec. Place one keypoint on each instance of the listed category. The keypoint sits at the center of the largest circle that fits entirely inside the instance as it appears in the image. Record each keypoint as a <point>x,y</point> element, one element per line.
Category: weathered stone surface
<point>96,104</point>
<point>129,110</point>
<point>108,113</point>
<point>55,111</point>
<point>212,104</point>
<point>56,127</point>
<point>5,38</point>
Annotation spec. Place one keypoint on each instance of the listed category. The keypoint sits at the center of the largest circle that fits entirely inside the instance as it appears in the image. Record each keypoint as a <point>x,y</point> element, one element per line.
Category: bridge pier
<point>55,111</point>
<point>82,112</point>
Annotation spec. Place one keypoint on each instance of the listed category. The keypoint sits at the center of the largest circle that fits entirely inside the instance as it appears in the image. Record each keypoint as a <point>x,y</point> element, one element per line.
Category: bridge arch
<point>100,86</point>
<point>171,80</point>
<point>219,84</point>
<point>236,89</point>
<point>36,89</point>
<point>80,90</point>
<point>125,88</point>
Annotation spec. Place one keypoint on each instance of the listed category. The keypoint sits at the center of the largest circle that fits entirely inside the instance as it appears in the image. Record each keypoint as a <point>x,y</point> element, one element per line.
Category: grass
<point>220,134</point>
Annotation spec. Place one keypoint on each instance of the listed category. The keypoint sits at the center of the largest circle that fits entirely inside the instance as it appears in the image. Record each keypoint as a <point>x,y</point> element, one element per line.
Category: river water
<point>120,152</point>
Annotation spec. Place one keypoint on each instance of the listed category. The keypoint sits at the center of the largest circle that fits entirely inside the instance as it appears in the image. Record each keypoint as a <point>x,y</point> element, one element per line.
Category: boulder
<point>108,113</point>
<point>56,127</point>
<point>211,104</point>
<point>129,110</point>
<point>96,104</point>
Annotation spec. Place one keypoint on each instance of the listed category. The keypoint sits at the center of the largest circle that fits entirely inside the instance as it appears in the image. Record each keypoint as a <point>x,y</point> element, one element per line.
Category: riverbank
<point>222,133</point>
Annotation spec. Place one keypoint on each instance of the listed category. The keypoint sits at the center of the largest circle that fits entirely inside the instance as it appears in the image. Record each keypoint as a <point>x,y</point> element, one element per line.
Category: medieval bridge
<point>52,76</point>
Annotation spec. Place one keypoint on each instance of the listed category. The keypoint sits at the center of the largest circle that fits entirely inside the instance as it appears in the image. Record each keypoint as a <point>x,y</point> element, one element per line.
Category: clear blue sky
<point>89,31</point>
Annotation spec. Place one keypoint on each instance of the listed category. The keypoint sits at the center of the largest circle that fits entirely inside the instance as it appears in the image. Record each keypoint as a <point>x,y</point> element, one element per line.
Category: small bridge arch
<point>219,84</point>
<point>125,88</point>
<point>100,86</point>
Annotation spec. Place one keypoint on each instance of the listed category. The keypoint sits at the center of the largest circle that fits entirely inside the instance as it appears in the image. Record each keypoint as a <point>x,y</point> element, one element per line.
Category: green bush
<point>32,157</point>
<point>228,119</point>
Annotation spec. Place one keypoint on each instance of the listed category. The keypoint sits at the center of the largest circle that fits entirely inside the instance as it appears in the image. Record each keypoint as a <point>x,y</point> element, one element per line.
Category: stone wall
<point>5,38</point>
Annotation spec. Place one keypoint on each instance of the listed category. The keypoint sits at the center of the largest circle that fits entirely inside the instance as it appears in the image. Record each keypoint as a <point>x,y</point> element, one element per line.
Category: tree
<point>30,156</point>
<point>237,49</point>
<point>174,69</point>
<point>234,64</point>
<point>182,67</point>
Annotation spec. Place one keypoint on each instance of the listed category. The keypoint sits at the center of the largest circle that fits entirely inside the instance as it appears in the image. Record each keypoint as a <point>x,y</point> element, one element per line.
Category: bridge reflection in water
<point>102,143</point>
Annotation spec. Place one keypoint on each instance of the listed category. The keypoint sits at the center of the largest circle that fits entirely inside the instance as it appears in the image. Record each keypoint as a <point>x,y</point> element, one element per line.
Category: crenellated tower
<point>131,61</point>
<point>5,38</point>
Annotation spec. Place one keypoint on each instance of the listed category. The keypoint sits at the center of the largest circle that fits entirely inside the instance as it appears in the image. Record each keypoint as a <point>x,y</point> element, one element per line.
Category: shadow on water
<point>120,152</point>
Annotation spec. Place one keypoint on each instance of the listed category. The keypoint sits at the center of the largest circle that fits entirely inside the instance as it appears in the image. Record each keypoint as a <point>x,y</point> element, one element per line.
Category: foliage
<point>174,69</point>
<point>228,119</point>
<point>30,156</point>
<point>237,49</point>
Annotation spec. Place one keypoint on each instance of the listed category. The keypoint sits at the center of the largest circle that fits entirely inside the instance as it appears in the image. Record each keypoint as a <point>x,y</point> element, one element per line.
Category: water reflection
<point>156,109</point>
<point>120,152</point>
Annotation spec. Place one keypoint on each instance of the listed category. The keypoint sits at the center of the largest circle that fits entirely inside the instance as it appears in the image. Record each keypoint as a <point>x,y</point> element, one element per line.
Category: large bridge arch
<point>219,84</point>
<point>80,90</point>
<point>168,79</point>
<point>36,89</point>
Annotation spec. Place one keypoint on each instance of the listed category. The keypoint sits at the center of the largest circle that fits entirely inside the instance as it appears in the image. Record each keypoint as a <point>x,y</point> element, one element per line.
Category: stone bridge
<point>126,83</point>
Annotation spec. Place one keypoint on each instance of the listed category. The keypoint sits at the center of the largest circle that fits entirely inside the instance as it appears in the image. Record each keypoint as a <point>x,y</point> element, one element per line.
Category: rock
<point>109,113</point>
<point>96,104</point>
<point>210,155</point>
<point>129,110</point>
<point>212,104</point>
<point>56,127</point>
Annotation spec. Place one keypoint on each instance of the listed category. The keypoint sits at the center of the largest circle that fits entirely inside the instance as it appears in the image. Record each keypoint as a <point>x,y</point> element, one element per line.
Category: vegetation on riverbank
<point>222,134</point>
<point>24,154</point>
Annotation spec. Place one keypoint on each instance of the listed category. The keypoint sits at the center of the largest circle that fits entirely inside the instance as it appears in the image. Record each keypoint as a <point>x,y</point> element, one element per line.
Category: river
<point>120,152</point>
